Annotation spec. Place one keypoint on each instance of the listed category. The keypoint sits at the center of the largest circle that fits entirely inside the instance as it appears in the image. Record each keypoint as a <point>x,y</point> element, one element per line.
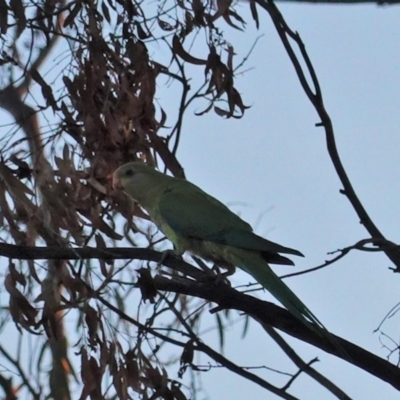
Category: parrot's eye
<point>129,172</point>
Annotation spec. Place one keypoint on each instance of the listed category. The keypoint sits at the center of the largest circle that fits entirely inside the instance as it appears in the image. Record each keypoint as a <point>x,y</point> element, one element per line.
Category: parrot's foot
<point>219,277</point>
<point>215,279</point>
<point>229,270</point>
<point>166,254</point>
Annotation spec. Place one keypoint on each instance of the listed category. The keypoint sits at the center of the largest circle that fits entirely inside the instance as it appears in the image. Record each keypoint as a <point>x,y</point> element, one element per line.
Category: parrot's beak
<point>116,183</point>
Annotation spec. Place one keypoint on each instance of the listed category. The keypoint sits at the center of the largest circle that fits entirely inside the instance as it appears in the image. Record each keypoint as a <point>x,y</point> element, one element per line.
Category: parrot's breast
<point>219,254</point>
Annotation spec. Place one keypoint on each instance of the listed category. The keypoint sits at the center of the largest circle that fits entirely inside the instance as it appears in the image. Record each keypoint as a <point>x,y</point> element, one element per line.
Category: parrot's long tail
<point>263,274</point>
<point>259,269</point>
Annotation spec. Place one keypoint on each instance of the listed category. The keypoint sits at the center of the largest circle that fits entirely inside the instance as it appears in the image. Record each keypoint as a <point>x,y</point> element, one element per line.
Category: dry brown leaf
<point>254,13</point>
<point>179,50</point>
<point>119,373</point>
<point>146,285</point>
<point>188,353</point>
<point>13,184</point>
<point>99,224</point>
<point>92,323</point>
<point>97,185</point>
<point>16,275</point>
<point>72,15</point>
<point>22,312</point>
<point>47,92</point>
<point>133,375</point>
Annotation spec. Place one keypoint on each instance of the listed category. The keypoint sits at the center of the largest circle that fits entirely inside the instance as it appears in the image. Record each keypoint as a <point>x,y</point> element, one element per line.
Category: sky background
<point>273,163</point>
<point>273,169</point>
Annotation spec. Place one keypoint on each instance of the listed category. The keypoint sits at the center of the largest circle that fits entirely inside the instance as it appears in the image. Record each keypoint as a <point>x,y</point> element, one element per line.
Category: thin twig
<point>267,313</point>
<point>360,245</point>
<point>285,33</point>
<point>304,367</point>
<point>21,372</point>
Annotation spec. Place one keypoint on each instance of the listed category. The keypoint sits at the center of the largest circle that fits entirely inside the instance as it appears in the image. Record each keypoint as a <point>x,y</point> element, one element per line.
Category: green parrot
<point>197,222</point>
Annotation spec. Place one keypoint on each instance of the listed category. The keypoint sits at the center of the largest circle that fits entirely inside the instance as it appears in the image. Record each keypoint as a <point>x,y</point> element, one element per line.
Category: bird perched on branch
<point>197,222</point>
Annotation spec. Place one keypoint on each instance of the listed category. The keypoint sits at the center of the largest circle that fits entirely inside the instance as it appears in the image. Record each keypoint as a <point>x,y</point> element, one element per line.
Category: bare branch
<point>305,367</point>
<point>21,372</point>
<point>270,314</point>
<point>315,96</point>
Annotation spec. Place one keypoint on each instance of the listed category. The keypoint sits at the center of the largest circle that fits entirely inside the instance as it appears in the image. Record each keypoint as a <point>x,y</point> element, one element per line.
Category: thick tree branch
<point>202,347</point>
<point>218,357</point>
<point>305,367</point>
<point>87,253</point>
<point>270,314</point>
<point>223,295</point>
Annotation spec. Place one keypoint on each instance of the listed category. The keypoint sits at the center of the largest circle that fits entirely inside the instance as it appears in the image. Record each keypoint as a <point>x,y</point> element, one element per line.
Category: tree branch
<point>305,367</point>
<point>221,294</point>
<point>315,96</point>
<point>270,314</point>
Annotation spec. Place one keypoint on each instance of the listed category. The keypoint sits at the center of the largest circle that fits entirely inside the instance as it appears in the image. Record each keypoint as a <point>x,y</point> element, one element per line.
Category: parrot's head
<point>134,178</point>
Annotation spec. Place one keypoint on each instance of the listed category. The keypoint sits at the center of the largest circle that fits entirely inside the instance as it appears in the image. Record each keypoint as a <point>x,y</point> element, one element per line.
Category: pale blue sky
<point>274,163</point>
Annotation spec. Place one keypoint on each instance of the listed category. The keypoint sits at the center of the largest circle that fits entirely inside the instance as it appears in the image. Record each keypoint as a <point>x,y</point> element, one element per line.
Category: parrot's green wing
<point>195,221</point>
<point>194,214</point>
